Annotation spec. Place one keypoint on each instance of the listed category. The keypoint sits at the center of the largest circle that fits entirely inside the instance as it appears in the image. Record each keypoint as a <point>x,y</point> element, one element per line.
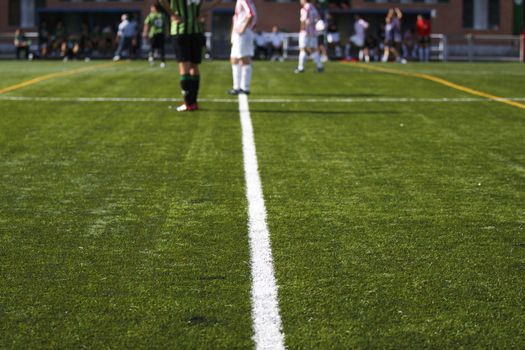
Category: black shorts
<point>424,40</point>
<point>157,41</point>
<point>321,40</point>
<point>188,47</point>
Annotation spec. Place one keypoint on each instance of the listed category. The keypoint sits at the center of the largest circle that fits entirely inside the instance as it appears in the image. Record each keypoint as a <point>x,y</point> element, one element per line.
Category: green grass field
<point>396,208</point>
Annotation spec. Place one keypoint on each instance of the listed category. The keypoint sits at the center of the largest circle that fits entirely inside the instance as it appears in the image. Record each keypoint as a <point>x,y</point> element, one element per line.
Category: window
<point>481,14</point>
<point>14,13</point>
<point>494,14</point>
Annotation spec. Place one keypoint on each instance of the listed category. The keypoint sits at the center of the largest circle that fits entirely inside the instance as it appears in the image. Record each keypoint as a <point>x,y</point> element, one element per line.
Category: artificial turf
<point>393,224</point>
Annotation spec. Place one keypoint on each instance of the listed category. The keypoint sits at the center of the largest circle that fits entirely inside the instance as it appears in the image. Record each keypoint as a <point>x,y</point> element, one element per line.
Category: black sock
<point>195,83</point>
<point>185,85</point>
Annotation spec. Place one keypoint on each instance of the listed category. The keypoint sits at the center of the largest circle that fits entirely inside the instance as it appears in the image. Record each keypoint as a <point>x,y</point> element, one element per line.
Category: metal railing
<point>439,47</point>
<point>483,47</point>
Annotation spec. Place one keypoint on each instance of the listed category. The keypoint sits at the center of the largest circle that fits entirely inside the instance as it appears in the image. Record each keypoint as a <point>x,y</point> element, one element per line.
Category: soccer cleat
<point>320,69</point>
<point>234,91</point>
<point>246,92</point>
<point>297,71</point>
<point>116,58</point>
<point>187,108</point>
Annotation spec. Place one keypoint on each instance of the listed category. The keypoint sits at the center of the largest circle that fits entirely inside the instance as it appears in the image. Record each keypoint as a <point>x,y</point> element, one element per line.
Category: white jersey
<point>360,27</point>
<point>126,29</point>
<point>309,17</point>
<point>243,10</point>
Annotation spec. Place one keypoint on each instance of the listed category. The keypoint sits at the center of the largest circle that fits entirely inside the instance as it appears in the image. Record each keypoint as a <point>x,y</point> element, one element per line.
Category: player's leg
<point>312,44</point>
<point>235,61</point>
<point>421,50</point>
<point>120,47</point>
<point>303,56</point>
<point>236,75</point>
<point>427,49</point>
<point>386,53</point>
<point>246,76</point>
<point>195,79</point>
<point>151,53</point>
<point>246,53</point>
<point>162,50</point>
<point>197,43</point>
<point>188,54</point>
<point>185,83</point>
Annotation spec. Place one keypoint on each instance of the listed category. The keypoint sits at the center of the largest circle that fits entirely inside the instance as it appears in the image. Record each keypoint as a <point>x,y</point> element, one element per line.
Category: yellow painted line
<point>54,75</point>
<point>443,82</point>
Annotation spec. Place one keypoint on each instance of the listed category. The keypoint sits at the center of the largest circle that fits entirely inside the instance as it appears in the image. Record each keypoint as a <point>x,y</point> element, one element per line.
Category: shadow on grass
<point>320,94</point>
<point>291,112</point>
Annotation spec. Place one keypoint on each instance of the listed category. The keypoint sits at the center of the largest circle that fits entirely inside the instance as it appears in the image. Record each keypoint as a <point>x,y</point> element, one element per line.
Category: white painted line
<point>267,324</point>
<point>261,100</point>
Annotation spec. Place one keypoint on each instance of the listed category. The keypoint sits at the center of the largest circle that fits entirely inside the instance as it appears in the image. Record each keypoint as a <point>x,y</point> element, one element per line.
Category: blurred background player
<point>154,31</point>
<point>242,38</point>
<point>188,34</point>
<point>43,39</point>
<point>70,48</point>
<point>261,45</point>
<point>333,38</point>
<point>21,44</point>
<point>393,35</point>
<point>423,35</point>
<point>308,36</point>
<point>358,45</point>
<point>320,28</point>
<point>275,45</point>
<point>126,32</point>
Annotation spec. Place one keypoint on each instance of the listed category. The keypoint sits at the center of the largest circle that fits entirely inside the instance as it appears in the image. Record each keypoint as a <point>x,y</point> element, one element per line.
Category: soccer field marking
<point>262,100</point>
<point>267,325</point>
<point>54,75</point>
<point>444,82</point>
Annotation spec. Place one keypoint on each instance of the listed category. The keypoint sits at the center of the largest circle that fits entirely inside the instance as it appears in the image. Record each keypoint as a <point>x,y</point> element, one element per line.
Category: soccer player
<point>307,37</point>
<point>244,20</point>
<point>21,44</point>
<point>154,31</point>
<point>359,39</point>
<point>393,35</point>
<point>188,34</point>
<point>125,36</point>
<point>423,34</point>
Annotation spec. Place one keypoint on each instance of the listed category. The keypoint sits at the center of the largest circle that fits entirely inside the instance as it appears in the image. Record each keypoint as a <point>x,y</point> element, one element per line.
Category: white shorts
<point>242,44</point>
<point>307,41</point>
<point>357,40</point>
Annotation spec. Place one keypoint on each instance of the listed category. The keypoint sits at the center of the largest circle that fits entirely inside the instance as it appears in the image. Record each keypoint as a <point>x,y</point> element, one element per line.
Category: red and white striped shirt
<point>309,17</point>
<point>243,10</point>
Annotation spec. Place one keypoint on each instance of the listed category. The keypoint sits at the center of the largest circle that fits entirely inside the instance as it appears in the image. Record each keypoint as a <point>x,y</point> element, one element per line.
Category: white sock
<point>317,59</point>
<point>302,60</point>
<point>246,77</point>
<point>237,73</point>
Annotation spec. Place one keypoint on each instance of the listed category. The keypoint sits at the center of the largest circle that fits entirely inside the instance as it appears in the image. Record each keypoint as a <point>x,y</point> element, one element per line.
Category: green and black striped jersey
<point>189,11</point>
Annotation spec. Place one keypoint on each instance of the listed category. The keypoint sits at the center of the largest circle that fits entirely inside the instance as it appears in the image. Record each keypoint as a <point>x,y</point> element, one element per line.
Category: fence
<point>472,47</point>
